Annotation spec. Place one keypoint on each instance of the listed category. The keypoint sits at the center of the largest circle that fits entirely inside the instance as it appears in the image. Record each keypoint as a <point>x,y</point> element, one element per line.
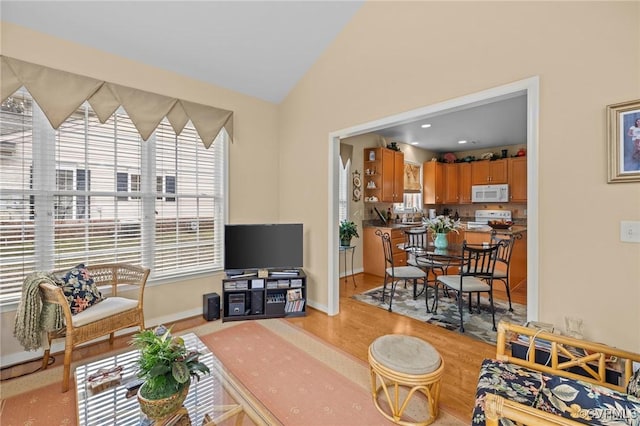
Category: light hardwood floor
<point>357,325</point>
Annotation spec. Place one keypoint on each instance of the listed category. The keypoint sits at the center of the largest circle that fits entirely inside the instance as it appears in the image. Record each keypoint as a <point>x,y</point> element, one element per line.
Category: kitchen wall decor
<point>357,186</point>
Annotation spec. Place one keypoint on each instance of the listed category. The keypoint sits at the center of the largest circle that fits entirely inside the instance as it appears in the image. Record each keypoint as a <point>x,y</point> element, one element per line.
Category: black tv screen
<point>262,246</point>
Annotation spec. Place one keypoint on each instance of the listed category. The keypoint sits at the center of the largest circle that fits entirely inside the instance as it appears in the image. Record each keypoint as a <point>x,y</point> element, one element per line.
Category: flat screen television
<point>262,246</point>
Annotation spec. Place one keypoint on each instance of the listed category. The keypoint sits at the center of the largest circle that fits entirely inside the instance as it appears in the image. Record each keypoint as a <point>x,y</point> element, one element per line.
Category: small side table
<point>399,361</point>
<point>344,250</point>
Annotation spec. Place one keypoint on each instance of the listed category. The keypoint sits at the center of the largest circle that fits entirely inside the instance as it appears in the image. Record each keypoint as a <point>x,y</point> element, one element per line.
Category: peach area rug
<point>301,379</point>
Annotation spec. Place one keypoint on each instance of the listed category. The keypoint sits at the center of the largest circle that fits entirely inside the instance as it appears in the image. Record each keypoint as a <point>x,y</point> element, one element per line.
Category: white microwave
<point>490,193</point>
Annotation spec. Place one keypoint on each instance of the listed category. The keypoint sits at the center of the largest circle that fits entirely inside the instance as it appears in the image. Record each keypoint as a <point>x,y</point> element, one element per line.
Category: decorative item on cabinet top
<point>393,146</point>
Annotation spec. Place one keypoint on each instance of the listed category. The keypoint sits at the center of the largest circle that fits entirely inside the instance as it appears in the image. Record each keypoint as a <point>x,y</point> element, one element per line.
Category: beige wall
<point>253,156</point>
<point>395,57</point>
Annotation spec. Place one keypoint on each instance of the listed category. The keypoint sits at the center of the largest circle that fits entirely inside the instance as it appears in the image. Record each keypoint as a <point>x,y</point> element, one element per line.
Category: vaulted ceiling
<point>259,48</point>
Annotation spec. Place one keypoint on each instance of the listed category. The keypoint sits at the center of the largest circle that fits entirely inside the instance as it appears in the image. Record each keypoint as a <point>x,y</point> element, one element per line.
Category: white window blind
<point>93,193</point>
<point>192,209</point>
<point>343,191</point>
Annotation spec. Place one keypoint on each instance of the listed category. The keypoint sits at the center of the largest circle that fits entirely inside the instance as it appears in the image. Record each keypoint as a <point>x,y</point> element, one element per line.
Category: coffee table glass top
<point>215,397</point>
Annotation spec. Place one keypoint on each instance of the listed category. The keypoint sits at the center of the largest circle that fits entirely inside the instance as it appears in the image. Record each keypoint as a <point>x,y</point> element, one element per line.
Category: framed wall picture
<point>623,141</point>
<point>412,177</point>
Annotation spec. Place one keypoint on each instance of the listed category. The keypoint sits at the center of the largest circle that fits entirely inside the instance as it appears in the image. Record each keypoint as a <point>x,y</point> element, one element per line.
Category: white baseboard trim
<point>347,273</point>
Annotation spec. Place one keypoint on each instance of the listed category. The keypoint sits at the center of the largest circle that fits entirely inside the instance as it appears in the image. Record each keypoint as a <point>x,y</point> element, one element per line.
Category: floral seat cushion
<point>589,404</point>
<point>509,381</point>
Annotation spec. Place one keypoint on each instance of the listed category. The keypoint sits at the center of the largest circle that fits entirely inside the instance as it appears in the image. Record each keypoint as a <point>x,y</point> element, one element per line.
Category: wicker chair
<point>110,315</point>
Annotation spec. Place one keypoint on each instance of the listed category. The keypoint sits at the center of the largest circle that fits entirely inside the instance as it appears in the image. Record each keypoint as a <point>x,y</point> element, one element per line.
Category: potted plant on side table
<point>348,230</point>
<point>166,366</point>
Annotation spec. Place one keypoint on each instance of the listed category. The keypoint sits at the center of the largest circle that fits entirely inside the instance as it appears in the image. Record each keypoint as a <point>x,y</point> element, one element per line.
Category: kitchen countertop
<point>515,229</point>
<point>393,225</point>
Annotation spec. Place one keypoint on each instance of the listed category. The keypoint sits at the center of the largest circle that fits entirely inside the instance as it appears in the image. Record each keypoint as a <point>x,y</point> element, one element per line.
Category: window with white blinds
<point>93,193</point>
<point>343,192</point>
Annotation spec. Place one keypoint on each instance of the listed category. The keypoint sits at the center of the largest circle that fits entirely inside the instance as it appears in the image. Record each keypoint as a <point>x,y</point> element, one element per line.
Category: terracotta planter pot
<point>158,409</point>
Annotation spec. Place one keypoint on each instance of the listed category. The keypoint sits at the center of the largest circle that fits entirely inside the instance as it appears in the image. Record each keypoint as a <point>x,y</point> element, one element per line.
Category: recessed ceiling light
<point>461,142</point>
<point>414,143</point>
<point>424,126</point>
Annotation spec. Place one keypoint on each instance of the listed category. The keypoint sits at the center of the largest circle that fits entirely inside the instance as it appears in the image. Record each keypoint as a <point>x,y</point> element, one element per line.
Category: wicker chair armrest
<point>120,274</point>
<point>594,359</point>
<point>53,294</point>
<point>497,407</point>
<point>134,275</point>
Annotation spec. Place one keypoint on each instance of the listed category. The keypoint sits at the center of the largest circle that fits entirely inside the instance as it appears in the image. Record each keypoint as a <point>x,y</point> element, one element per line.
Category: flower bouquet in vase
<point>440,226</point>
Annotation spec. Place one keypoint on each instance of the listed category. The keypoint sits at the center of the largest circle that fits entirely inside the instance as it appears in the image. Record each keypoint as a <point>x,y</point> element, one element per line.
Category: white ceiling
<point>495,122</point>
<point>259,48</point>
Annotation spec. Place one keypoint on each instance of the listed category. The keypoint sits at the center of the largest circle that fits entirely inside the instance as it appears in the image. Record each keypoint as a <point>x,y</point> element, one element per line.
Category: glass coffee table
<point>218,398</point>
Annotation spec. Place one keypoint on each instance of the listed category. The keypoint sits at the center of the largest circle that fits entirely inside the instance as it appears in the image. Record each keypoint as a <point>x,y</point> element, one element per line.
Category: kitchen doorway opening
<point>528,87</point>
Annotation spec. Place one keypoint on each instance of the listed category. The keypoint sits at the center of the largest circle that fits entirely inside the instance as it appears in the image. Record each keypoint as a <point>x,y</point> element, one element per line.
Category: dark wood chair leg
<point>460,310</point>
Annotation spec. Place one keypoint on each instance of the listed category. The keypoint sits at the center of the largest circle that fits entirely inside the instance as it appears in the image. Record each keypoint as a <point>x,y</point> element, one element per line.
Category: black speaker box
<point>211,306</point>
<point>257,302</point>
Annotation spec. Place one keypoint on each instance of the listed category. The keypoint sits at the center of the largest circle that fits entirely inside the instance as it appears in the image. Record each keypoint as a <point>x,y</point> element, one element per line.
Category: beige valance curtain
<point>346,151</point>
<point>60,93</point>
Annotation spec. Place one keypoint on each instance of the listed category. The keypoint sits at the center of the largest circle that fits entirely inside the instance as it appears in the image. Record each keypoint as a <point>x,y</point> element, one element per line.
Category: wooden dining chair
<point>475,276</point>
<point>393,273</point>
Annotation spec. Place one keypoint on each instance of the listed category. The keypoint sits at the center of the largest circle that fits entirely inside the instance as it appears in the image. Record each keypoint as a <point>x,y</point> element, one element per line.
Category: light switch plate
<point>630,231</point>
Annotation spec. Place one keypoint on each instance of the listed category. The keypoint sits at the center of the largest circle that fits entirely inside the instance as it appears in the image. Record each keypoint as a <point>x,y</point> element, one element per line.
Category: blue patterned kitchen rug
<point>477,325</point>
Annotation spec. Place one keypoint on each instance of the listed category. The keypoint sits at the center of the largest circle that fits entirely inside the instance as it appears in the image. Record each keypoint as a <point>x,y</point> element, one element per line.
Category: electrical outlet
<point>630,231</point>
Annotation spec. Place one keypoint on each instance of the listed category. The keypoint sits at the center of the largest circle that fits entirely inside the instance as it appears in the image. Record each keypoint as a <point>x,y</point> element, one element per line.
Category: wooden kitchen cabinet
<point>489,172</point>
<point>441,183</point>
<point>373,255</point>
<point>392,176</point>
<point>383,175</point>
<point>464,183</point>
<point>372,173</point>
<point>517,179</point>
<point>479,237</point>
<point>432,183</point>
<point>450,172</point>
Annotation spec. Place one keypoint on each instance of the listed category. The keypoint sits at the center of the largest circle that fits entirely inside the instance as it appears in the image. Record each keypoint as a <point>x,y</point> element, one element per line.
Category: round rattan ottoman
<point>402,367</point>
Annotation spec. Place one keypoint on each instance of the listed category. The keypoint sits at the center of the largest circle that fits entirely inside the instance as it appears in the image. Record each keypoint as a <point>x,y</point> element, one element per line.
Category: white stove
<point>482,217</point>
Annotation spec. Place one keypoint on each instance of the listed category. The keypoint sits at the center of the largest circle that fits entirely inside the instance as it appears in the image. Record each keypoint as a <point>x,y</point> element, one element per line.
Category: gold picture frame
<point>623,141</point>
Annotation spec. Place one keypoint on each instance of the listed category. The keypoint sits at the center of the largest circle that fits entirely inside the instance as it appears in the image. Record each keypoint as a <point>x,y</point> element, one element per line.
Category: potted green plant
<point>348,230</point>
<point>166,366</point>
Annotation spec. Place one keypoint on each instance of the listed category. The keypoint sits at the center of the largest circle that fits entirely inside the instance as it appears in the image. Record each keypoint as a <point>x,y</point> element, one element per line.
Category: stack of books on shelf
<point>236,285</point>
<point>272,284</point>
<point>295,302</point>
